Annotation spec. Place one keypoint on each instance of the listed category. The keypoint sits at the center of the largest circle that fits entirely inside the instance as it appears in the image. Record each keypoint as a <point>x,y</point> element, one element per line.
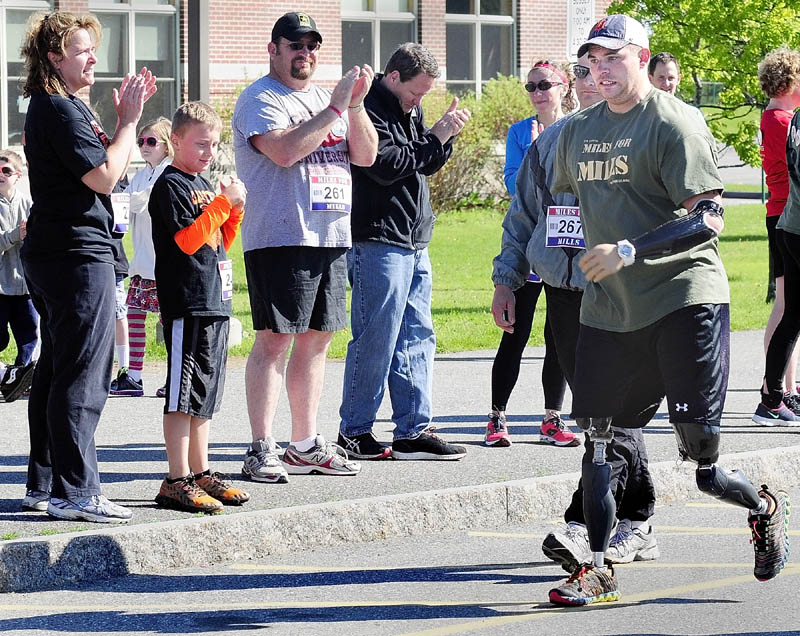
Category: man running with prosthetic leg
<point>654,316</point>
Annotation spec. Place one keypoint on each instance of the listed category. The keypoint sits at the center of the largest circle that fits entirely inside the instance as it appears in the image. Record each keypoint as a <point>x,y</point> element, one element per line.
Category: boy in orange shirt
<point>192,229</point>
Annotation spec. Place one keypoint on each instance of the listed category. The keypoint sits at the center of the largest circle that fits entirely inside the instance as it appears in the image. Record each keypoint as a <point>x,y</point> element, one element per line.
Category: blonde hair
<point>779,71</point>
<point>564,72</point>
<point>195,113</point>
<point>13,159</point>
<point>51,33</point>
<point>162,127</point>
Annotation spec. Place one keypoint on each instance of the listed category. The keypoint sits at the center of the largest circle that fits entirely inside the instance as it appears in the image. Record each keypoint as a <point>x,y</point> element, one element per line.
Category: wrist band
<point>355,109</point>
<point>335,110</point>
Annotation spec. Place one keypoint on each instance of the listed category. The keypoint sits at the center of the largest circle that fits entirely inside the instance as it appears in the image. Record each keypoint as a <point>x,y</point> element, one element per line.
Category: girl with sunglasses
<point>549,88</point>
<point>156,149</point>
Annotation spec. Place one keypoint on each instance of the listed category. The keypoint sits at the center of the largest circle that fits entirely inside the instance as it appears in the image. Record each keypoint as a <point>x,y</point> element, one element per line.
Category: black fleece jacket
<point>391,201</point>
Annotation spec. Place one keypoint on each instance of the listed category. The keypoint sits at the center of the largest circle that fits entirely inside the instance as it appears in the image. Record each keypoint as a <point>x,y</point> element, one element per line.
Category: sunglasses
<point>580,71</point>
<point>8,172</point>
<point>543,85</point>
<point>150,141</point>
<point>299,46</point>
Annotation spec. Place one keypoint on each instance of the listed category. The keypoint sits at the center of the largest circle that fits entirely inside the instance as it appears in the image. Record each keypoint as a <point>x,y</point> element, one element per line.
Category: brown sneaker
<point>217,487</point>
<point>187,495</point>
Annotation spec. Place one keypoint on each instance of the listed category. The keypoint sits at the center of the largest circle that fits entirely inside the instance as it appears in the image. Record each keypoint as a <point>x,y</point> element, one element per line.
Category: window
<point>480,42</point>
<point>373,29</point>
<point>136,33</point>
<point>13,21</point>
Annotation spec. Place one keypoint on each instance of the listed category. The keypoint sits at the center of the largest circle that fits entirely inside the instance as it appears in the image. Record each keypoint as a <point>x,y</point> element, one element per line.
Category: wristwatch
<point>627,252</point>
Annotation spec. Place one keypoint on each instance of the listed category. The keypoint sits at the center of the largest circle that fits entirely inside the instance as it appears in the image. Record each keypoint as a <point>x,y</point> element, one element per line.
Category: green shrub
<point>475,170</point>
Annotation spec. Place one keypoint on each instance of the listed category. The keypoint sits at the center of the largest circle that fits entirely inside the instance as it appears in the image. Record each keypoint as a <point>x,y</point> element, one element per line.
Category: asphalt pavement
<point>491,582</point>
<point>490,486</point>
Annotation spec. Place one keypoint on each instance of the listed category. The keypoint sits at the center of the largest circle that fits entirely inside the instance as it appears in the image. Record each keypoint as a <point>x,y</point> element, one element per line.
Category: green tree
<point>721,41</point>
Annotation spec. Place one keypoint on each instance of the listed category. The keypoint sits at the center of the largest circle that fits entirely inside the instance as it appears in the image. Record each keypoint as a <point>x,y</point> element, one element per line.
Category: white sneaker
<point>35,500</point>
<point>631,544</point>
<point>263,464</point>
<point>569,546</point>
<point>324,458</point>
<point>95,508</point>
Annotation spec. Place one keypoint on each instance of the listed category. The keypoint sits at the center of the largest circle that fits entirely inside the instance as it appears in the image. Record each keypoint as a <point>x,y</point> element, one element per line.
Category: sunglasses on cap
<point>150,141</point>
<point>299,46</point>
<point>8,171</point>
<point>580,71</point>
<point>542,85</point>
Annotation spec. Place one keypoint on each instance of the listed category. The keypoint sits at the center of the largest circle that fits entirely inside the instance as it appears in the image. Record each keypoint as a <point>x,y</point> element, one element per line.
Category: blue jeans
<point>393,340</point>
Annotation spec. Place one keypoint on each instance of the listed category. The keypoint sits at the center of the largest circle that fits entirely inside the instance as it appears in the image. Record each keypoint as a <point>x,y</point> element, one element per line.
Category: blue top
<point>517,143</point>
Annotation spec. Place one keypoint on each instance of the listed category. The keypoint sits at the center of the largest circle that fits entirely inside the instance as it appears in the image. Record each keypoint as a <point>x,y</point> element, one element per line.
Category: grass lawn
<point>464,244</point>
<point>743,187</point>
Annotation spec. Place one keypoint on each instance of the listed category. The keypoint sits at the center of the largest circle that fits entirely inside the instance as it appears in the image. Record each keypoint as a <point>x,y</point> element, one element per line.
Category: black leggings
<point>505,369</point>
<point>785,335</point>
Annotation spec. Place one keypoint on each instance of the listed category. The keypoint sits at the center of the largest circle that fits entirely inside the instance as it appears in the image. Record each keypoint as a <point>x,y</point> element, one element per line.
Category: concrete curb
<point>61,560</point>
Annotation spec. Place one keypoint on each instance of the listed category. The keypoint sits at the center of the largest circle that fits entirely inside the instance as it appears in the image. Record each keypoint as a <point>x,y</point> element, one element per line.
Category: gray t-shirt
<point>307,203</point>
<point>631,172</point>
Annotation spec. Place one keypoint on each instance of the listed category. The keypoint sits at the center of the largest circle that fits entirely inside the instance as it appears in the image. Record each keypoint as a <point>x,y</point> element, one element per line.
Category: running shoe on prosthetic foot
<point>594,582</point>
<point>771,534</point>
<point>769,510</point>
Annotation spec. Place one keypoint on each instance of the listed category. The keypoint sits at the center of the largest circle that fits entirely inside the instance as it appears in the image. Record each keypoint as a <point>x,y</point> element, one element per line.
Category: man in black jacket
<point>389,268</point>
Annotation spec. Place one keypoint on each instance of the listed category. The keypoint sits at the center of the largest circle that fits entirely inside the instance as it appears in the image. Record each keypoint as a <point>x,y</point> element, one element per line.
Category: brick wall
<point>239,31</point>
<point>541,32</point>
<point>432,32</point>
<point>73,6</point>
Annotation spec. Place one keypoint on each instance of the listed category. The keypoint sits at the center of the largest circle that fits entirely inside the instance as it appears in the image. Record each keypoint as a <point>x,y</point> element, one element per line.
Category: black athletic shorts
<point>294,289</point>
<point>776,246</point>
<point>197,351</point>
<point>685,356</point>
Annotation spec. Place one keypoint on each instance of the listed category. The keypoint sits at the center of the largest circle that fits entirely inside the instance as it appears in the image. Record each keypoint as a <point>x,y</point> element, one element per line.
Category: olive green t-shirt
<point>790,219</point>
<point>631,172</point>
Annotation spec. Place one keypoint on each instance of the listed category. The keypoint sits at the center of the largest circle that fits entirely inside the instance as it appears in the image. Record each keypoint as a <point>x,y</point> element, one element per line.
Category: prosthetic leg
<point>700,444</point>
<point>599,507</point>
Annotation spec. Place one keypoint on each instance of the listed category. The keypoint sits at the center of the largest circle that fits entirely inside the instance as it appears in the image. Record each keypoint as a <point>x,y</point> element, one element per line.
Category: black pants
<point>75,300</point>
<point>631,482</point>
<point>785,335</point>
<point>505,369</point>
<point>17,312</point>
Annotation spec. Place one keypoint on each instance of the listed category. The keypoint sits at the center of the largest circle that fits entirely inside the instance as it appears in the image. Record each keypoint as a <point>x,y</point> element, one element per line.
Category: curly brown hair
<point>779,72</point>
<point>51,33</point>
<point>564,70</point>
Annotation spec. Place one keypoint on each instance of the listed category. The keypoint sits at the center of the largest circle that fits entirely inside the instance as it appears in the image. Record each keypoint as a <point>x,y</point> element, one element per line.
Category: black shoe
<point>426,445</point>
<point>364,446</point>
<point>771,534</point>
<point>125,385</point>
<point>16,381</point>
<point>792,402</point>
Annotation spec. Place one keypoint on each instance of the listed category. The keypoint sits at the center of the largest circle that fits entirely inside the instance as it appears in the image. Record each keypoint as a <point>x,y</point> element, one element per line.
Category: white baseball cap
<point>615,31</point>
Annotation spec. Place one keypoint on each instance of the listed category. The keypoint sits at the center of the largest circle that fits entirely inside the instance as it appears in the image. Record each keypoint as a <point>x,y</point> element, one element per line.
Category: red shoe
<point>555,432</point>
<point>497,431</point>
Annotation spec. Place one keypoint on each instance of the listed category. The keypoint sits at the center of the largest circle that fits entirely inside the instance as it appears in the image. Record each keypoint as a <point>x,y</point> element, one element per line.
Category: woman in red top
<point>779,75</point>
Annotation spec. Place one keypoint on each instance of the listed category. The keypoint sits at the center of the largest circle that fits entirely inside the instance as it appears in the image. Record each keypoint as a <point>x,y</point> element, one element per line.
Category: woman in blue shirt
<point>549,88</point>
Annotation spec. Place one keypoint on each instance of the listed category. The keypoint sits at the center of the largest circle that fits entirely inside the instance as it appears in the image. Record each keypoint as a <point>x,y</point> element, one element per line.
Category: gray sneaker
<point>95,508</point>
<point>35,500</point>
<point>569,546</point>
<point>263,464</point>
<point>324,458</point>
<point>631,544</point>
